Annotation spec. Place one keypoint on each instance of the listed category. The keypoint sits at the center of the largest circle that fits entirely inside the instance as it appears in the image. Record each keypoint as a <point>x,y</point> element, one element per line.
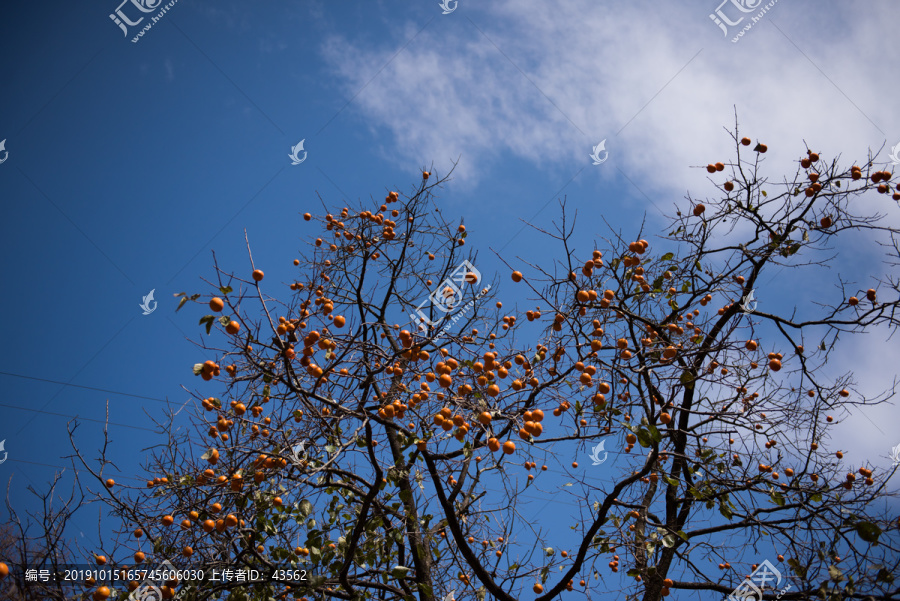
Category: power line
<point>69,467</point>
<point>99,421</point>
<point>137,396</point>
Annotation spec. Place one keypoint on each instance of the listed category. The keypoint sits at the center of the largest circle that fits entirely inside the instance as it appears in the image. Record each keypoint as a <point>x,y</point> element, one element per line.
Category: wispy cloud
<point>544,83</point>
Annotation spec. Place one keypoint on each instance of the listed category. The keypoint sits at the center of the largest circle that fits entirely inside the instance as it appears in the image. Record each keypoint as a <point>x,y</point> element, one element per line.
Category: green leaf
<point>655,436</point>
<point>671,481</point>
<point>208,320</point>
<point>644,438</point>
<point>669,540</point>
<point>225,290</point>
<point>667,257</point>
<point>181,303</point>
<point>868,531</point>
<point>399,572</point>
<point>306,508</point>
<point>764,193</point>
<point>198,368</point>
<point>816,498</point>
<point>835,573</point>
<point>725,510</point>
<point>685,287</point>
<point>686,378</point>
<point>777,498</point>
<point>225,320</point>
<point>799,569</point>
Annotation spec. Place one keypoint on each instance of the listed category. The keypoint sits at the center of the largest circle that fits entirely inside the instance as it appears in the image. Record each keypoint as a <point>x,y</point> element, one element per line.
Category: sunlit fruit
<point>216,304</point>
<point>258,275</point>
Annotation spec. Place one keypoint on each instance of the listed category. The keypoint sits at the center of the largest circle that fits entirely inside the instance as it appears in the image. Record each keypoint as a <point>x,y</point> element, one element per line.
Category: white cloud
<point>546,82</point>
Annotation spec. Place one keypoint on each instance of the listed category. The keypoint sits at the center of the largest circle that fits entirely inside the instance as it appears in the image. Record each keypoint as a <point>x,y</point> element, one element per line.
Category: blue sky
<point>130,162</point>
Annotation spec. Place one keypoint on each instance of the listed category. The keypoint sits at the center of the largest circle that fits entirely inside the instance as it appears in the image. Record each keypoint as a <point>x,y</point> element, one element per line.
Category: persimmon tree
<point>422,440</point>
<point>39,540</point>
